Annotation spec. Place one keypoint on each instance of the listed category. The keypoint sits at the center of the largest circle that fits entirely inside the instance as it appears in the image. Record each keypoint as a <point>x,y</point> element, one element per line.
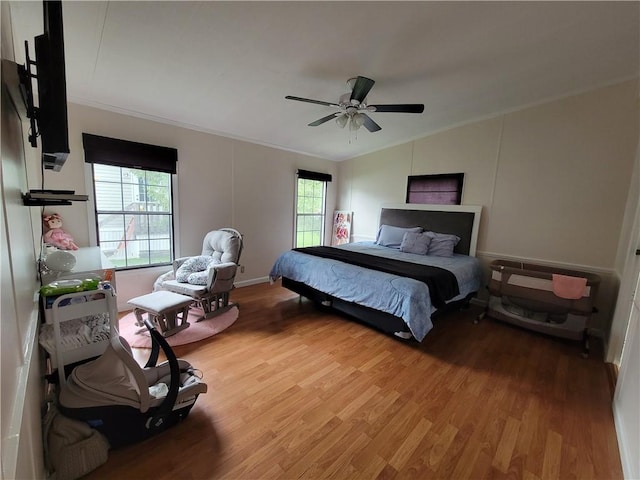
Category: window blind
<point>124,153</point>
<point>309,175</point>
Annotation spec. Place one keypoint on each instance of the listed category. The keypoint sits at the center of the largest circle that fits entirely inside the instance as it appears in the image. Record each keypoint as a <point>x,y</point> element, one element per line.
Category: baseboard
<point>612,377</point>
<point>251,281</point>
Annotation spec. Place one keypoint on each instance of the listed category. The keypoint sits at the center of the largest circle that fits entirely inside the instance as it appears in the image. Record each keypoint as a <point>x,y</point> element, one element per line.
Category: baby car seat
<point>128,403</point>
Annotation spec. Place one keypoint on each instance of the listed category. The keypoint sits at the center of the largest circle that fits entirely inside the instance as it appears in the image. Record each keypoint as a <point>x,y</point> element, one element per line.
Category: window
<point>311,193</point>
<point>443,189</point>
<point>132,186</point>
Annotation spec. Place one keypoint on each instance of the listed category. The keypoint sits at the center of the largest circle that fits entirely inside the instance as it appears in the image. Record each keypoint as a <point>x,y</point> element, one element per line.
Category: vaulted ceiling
<point>226,67</point>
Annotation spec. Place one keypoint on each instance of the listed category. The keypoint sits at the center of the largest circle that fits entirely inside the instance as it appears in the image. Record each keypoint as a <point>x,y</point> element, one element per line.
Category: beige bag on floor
<point>73,448</point>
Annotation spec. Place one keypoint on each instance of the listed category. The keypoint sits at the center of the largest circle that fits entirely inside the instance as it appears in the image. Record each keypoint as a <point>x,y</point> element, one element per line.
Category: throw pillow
<point>390,236</point>
<point>415,242</point>
<point>442,244</point>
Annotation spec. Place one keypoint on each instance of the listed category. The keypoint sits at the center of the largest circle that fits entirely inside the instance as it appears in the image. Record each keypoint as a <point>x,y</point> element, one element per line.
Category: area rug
<point>195,332</point>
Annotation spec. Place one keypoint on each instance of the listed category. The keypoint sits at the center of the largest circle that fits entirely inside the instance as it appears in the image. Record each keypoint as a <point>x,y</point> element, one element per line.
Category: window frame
<point>324,179</point>
<point>94,214</point>
<point>435,178</point>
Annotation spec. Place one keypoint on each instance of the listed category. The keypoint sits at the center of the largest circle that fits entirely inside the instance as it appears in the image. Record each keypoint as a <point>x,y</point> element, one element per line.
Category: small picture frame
<point>341,233</point>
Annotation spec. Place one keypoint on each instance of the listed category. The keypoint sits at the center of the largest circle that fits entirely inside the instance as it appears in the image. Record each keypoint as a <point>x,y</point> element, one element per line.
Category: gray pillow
<point>389,236</point>
<point>415,242</point>
<point>442,244</point>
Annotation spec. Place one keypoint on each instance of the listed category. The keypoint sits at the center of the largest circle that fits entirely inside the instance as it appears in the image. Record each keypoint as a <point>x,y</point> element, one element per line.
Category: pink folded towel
<point>571,288</point>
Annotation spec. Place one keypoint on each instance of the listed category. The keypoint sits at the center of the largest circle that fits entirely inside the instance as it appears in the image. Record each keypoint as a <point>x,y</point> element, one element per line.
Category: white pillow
<point>389,236</point>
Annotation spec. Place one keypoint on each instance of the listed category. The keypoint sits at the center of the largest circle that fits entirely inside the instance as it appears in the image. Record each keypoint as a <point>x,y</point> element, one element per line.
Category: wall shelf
<point>38,198</point>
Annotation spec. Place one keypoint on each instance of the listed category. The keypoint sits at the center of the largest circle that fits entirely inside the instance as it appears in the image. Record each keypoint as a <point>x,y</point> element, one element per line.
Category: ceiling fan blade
<point>370,124</point>
<point>400,108</point>
<point>308,100</point>
<point>323,120</point>
<point>361,89</point>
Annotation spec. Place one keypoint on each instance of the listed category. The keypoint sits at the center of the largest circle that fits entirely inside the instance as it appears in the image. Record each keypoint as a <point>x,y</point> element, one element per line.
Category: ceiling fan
<point>353,108</point>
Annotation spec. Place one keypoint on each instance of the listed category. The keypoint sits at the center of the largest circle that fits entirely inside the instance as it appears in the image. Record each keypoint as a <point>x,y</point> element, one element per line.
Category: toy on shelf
<point>56,236</point>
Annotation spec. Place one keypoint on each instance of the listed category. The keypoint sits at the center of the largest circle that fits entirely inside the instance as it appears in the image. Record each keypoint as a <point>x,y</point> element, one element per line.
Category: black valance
<point>123,153</point>
<point>308,175</point>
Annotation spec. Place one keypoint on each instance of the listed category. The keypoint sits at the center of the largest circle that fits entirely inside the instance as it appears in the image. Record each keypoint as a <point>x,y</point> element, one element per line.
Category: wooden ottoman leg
<point>138,312</point>
<point>176,320</point>
<point>184,315</point>
<point>170,318</point>
<point>162,322</point>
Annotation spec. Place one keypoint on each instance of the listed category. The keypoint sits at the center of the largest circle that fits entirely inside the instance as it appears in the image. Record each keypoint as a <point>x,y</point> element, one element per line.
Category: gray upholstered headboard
<point>460,220</point>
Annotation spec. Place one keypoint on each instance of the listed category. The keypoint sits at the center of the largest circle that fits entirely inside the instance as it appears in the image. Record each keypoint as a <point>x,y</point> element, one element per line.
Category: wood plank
<point>552,454</point>
<point>504,451</point>
<point>410,443</point>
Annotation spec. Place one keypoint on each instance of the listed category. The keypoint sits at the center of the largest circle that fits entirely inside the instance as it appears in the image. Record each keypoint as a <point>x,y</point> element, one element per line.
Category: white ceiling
<point>225,67</point>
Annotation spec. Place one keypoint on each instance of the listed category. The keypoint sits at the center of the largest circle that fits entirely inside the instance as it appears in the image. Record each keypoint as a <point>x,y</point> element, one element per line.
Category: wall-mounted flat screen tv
<point>50,115</point>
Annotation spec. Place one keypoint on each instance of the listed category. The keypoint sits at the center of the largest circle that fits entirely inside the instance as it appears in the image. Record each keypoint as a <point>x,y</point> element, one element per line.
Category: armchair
<point>208,278</point>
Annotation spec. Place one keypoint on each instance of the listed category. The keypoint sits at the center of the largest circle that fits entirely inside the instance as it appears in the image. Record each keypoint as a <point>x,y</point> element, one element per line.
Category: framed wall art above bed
<point>422,263</point>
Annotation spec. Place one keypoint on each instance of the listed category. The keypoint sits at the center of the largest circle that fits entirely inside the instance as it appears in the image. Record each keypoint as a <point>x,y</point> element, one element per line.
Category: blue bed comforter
<point>403,297</point>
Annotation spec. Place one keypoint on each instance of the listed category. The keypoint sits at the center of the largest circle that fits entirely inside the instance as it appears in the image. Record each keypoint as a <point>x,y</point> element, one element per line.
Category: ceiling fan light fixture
<point>358,120</point>
<point>342,120</point>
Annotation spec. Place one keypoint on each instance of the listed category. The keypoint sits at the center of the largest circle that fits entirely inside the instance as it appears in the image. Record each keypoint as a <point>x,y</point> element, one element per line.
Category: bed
<point>382,295</point>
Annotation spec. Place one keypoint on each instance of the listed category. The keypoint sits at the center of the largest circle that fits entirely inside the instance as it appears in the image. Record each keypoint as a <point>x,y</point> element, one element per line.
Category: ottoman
<point>168,311</point>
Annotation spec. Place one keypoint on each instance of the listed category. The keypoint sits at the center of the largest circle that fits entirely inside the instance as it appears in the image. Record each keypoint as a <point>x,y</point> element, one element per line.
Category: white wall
<point>552,179</point>
<point>221,182</point>
<point>21,383</point>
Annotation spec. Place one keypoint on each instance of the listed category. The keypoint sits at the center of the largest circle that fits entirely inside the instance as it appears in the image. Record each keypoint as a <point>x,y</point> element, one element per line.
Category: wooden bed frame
<point>460,220</point>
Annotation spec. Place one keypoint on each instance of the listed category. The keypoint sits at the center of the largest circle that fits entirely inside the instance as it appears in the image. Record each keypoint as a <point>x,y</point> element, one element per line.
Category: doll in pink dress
<point>55,235</point>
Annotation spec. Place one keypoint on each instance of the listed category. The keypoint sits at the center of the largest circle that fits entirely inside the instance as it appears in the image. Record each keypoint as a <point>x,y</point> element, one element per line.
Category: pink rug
<point>195,332</point>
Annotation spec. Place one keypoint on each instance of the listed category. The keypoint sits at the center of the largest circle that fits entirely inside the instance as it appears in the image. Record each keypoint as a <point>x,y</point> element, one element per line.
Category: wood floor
<point>299,393</point>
